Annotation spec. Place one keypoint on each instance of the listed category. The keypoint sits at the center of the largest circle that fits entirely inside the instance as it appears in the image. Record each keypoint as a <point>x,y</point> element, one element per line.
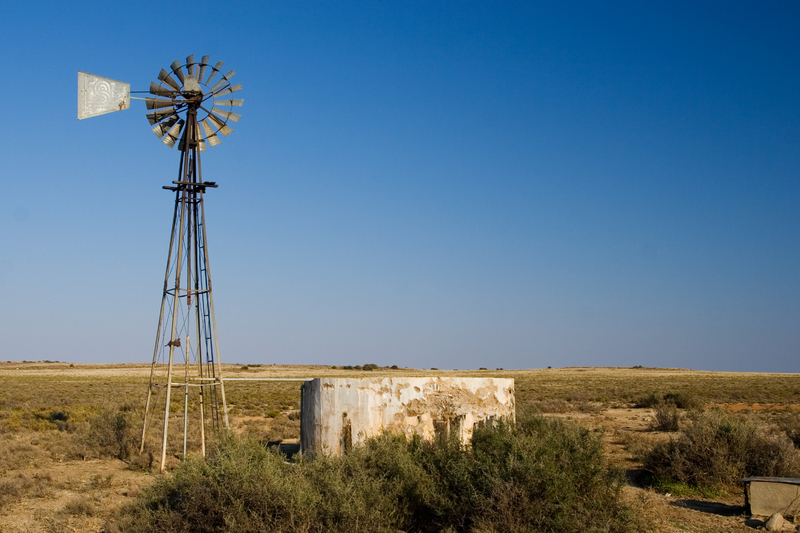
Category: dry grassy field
<point>69,432</point>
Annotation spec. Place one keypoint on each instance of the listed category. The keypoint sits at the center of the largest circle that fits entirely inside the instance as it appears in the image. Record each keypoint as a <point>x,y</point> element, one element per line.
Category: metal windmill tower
<point>185,107</point>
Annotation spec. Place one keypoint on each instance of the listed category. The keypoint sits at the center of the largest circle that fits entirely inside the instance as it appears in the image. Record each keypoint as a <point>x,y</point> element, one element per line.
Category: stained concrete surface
<point>766,496</point>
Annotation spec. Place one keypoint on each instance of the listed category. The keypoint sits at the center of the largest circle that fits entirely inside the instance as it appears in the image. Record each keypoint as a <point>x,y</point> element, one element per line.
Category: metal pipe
<point>196,249</point>
<point>186,398</point>
<point>266,379</point>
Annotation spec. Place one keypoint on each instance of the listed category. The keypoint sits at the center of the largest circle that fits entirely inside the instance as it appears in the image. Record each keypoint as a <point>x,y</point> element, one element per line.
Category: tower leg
<point>173,338</point>
<point>158,329</point>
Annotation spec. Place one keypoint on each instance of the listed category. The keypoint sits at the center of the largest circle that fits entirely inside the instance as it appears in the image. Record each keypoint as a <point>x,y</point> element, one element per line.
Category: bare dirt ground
<point>81,495</point>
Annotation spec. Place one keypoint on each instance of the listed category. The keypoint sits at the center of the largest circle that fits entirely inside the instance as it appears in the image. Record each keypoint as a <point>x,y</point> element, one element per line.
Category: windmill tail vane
<point>186,107</point>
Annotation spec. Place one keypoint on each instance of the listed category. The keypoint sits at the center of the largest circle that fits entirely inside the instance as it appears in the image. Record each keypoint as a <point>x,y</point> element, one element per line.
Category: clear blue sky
<point>449,184</point>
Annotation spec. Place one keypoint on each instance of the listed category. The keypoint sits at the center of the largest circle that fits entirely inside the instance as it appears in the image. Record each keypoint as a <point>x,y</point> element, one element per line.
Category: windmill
<point>191,106</point>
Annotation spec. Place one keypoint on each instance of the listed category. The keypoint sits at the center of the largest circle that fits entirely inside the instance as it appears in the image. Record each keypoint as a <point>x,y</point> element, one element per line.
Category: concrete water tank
<point>337,413</point>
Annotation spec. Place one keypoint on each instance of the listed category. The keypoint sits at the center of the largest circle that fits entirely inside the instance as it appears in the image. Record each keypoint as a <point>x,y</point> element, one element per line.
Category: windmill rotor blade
<point>213,140</point>
<point>158,116</point>
<point>176,68</point>
<point>225,79</point>
<point>161,129</point>
<point>190,64</point>
<point>182,144</point>
<point>173,133</point>
<point>198,135</point>
<point>229,90</point>
<point>220,124</point>
<point>214,71</point>
<point>166,78</point>
<point>158,90</point>
<point>201,146</point>
<point>226,114</point>
<point>157,103</point>
<point>203,65</point>
<point>232,103</point>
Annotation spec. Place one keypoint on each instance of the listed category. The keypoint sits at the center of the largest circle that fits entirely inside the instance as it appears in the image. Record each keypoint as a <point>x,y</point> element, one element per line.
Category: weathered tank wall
<point>768,495</point>
<point>337,413</point>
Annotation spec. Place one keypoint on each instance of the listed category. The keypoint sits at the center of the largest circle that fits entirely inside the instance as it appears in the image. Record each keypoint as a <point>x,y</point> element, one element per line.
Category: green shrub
<point>547,475</point>
<point>543,475</point>
<point>244,487</point>
<point>718,449</point>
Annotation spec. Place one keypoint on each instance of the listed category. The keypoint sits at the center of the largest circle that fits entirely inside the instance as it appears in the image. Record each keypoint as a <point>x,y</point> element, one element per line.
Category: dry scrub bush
<point>665,417</point>
<point>112,433</point>
<point>544,475</point>
<point>79,506</point>
<point>283,427</point>
<point>15,454</point>
<point>680,400</point>
<point>718,449</point>
<point>791,426</point>
<point>550,406</point>
<point>16,488</point>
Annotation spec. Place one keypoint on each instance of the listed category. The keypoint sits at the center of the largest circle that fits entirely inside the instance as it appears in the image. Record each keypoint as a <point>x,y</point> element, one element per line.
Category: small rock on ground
<point>775,522</point>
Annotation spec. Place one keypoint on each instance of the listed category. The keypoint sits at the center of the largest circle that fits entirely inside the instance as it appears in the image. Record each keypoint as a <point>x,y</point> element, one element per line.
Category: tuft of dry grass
<point>79,506</point>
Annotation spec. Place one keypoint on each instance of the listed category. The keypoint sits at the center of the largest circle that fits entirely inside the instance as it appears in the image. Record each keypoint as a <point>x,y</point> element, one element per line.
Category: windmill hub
<point>191,87</point>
